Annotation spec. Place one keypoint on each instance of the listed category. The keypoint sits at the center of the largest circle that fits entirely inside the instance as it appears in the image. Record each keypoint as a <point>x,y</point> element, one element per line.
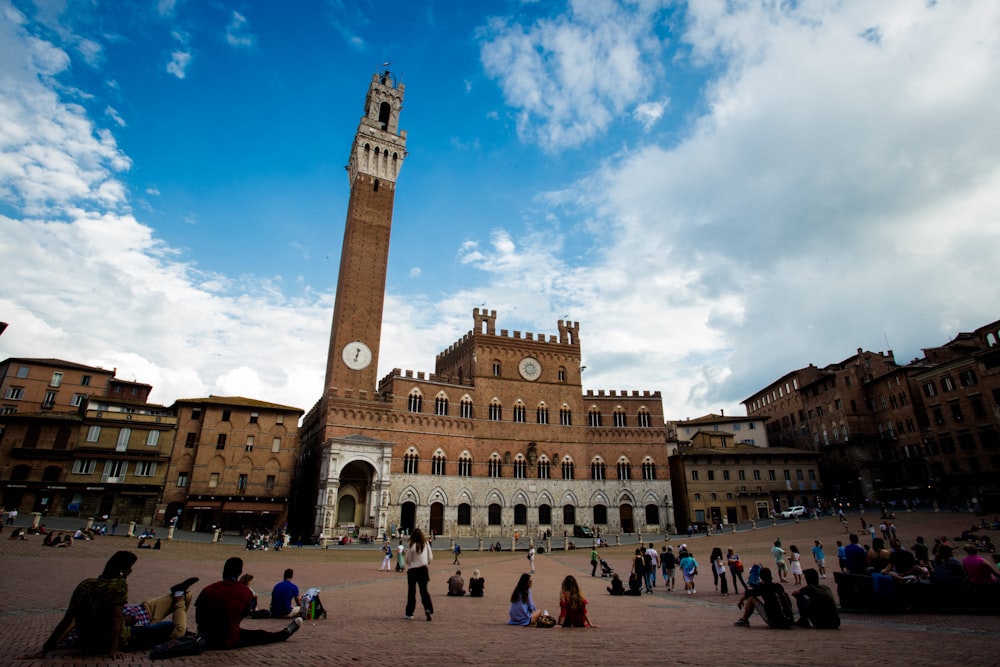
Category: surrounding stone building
<point>232,464</point>
<point>745,430</point>
<point>28,385</point>
<point>959,387</point>
<point>499,439</point>
<point>81,442</point>
<point>885,432</point>
<point>718,480</point>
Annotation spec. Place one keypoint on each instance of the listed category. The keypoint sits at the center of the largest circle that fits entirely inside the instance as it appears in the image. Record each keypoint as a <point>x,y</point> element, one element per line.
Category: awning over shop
<point>252,508</point>
<point>204,505</point>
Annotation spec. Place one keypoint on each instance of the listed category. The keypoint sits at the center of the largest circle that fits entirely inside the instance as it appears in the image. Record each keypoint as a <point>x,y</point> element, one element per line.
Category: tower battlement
<point>623,393</point>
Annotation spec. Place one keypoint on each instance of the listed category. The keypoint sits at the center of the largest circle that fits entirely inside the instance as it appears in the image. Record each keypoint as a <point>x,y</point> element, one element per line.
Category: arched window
<point>594,417</point>
<point>496,368</point>
<point>644,420</point>
<point>544,515</point>
<point>569,515</point>
<point>567,468</point>
<point>520,515</point>
<point>619,418</point>
<point>465,514</point>
<point>494,514</point>
<point>411,461</point>
<point>496,411</point>
<point>438,464</point>
<point>542,414</point>
<point>20,473</point>
<point>466,408</point>
<point>415,401</point>
<point>465,465</point>
<point>519,413</point>
<point>543,468</point>
<point>520,466</point>
<point>624,469</point>
<point>561,374</point>
<point>648,469</point>
<point>597,469</point>
<point>51,474</point>
<point>441,405</point>
<point>600,515</point>
<point>494,466</point>
<point>565,415</point>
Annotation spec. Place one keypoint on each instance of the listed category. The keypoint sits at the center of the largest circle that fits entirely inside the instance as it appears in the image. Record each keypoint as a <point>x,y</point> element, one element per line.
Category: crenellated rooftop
<point>624,393</point>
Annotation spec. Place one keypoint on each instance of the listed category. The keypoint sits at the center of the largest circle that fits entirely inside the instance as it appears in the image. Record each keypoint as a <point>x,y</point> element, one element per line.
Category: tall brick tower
<point>376,158</point>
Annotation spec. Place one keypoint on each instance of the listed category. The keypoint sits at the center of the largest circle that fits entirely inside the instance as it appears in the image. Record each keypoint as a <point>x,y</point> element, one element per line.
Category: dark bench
<point>862,593</point>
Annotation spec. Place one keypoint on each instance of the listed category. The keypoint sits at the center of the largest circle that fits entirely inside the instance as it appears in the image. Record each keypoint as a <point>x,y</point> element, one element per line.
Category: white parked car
<point>797,510</point>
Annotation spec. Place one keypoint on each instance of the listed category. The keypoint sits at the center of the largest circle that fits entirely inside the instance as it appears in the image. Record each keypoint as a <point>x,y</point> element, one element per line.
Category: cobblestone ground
<point>366,624</point>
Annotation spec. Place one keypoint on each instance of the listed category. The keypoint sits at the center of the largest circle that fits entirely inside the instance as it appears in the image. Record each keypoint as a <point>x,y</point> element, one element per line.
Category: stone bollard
<point>90,522</point>
<point>215,535</point>
<point>618,539</point>
<point>322,541</point>
<point>131,529</point>
<point>734,527</point>
<point>170,533</point>
<point>753,524</point>
<point>548,544</point>
<point>480,544</point>
<point>36,519</point>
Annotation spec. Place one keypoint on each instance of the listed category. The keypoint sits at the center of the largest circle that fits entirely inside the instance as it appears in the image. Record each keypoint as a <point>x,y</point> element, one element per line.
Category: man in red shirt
<point>221,607</point>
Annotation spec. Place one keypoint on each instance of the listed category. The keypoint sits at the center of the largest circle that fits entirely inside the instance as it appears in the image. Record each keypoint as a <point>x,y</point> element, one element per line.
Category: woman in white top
<point>418,558</point>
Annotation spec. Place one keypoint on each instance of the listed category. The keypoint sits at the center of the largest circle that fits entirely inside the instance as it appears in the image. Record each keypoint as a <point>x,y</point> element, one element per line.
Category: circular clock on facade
<point>356,355</point>
<point>529,368</point>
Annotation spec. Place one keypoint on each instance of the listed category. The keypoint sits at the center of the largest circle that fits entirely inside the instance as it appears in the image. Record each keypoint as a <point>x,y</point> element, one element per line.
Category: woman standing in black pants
<point>735,569</point>
<point>418,558</point>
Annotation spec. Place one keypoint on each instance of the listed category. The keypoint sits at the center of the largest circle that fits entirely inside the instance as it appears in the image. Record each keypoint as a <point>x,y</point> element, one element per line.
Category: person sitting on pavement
<point>522,605</point>
<point>285,599</point>
<point>770,602</point>
<point>616,587</point>
<point>816,603</point>
<point>221,607</point>
<point>456,584</point>
<point>634,585</point>
<point>572,605</point>
<point>96,610</point>
<point>476,585</point>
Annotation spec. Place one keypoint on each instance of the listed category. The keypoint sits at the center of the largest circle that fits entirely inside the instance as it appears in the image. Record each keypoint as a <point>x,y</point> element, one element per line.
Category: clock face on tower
<point>529,368</point>
<point>356,355</point>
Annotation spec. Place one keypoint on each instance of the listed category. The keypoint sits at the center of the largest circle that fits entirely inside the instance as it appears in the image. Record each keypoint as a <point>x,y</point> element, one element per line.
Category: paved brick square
<point>366,624</point>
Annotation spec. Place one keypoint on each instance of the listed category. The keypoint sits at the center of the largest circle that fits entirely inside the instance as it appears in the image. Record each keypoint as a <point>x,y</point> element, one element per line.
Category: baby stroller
<point>606,570</point>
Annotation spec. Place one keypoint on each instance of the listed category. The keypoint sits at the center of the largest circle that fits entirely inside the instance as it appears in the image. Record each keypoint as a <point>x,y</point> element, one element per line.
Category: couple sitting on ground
<point>817,606</point>
<point>103,623</point>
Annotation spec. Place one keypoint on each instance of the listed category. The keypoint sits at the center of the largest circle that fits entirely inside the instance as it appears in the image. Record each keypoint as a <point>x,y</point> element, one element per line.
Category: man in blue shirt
<point>856,557</point>
<point>285,599</point>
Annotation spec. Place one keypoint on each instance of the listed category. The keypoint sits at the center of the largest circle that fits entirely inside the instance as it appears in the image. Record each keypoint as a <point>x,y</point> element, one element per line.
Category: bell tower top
<point>379,145</point>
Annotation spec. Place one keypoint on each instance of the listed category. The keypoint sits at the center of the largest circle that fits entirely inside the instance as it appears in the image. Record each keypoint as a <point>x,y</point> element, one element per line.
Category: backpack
<point>779,609</point>
<point>754,577</point>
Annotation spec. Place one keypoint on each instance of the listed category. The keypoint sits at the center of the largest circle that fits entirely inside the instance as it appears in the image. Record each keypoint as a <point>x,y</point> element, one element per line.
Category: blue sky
<point>720,193</point>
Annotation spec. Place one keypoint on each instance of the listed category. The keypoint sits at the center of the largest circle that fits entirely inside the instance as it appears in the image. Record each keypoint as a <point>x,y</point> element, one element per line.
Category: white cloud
<point>572,75</point>
<point>113,114</point>
<point>835,191</point>
<point>238,33</point>
<point>179,62</point>
<point>648,113</point>
<point>76,254</point>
